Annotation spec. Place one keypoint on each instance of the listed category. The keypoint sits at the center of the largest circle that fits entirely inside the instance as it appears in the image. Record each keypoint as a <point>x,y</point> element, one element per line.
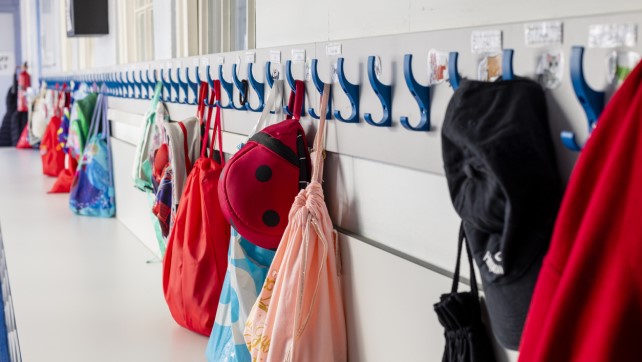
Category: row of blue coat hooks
<point>125,85</point>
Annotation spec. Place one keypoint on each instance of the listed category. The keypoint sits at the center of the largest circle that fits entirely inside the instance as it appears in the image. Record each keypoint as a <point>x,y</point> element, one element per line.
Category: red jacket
<point>587,304</point>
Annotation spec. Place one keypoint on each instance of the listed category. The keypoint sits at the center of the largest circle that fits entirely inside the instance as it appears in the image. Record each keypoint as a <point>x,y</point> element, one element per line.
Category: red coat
<point>587,304</point>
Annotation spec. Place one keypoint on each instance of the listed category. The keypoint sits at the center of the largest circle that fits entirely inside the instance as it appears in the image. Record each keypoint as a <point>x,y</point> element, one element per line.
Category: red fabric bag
<point>65,178</point>
<point>51,152</point>
<point>260,182</point>
<point>196,258</point>
<point>23,142</point>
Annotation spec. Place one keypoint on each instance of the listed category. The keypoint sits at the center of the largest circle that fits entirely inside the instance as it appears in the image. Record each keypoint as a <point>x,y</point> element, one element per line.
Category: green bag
<point>80,123</point>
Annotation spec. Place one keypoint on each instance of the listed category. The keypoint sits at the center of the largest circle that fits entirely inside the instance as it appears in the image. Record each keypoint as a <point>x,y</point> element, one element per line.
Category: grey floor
<point>82,287</point>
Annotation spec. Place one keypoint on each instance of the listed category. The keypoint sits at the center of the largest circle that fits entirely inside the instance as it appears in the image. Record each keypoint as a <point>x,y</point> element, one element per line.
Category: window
<point>135,30</point>
<point>226,25</point>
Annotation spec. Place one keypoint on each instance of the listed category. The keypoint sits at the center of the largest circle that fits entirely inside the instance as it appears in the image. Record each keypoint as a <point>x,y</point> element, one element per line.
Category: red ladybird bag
<point>196,258</point>
<point>51,152</point>
<point>260,182</point>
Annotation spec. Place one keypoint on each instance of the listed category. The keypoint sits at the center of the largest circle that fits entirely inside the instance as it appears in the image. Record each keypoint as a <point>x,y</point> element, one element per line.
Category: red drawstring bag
<point>65,177</point>
<point>51,152</point>
<point>23,142</point>
<point>196,258</point>
<point>260,182</point>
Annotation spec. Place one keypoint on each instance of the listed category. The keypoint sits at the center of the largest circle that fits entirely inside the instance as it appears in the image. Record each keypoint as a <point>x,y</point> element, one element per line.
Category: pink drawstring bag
<point>299,314</point>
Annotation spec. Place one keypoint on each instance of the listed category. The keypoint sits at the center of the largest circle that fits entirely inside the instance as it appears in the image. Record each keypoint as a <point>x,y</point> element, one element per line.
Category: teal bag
<point>151,139</point>
<point>92,191</point>
<point>142,172</point>
<point>247,268</point>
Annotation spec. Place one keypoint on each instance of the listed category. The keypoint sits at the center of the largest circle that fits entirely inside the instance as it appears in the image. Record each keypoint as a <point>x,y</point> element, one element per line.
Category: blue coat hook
<point>151,84</point>
<point>258,87</point>
<point>290,80</point>
<point>130,85</point>
<point>166,86</point>
<point>193,85</point>
<point>507,64</point>
<point>138,85</point>
<point>352,91</point>
<point>107,81</point>
<point>124,89</point>
<point>210,82</point>
<point>143,85</point>
<point>110,81</point>
<point>453,70</point>
<point>242,86</point>
<point>174,85</point>
<point>592,101</point>
<point>269,78</point>
<point>384,92</point>
<point>182,84</point>
<point>152,79</point>
<point>420,93</point>
<point>227,87</point>
<point>125,85</point>
<point>318,84</point>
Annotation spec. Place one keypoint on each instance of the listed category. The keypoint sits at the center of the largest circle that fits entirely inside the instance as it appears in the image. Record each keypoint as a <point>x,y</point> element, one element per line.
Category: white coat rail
<point>384,181</point>
<point>393,114</point>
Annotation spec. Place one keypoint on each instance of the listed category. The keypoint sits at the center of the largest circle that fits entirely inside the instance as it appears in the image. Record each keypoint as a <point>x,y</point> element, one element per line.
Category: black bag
<point>460,314</point>
<point>12,106</point>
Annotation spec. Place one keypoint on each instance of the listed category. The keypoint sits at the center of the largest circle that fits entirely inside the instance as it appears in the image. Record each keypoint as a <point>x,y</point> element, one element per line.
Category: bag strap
<point>107,134</point>
<point>93,127</point>
<point>188,163</point>
<point>217,133</point>
<point>205,126</point>
<point>295,102</point>
<point>273,107</point>
<point>156,97</point>
<point>473,280</point>
<point>60,102</point>
<point>106,131</point>
<point>202,93</point>
<point>319,138</point>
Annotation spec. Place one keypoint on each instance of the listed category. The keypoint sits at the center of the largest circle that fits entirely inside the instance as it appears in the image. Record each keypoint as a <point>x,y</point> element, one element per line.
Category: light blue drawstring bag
<point>92,191</point>
<point>247,268</point>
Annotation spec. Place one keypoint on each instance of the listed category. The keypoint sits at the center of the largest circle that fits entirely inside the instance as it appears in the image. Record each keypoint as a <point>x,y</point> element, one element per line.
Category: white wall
<point>29,26</point>
<point>164,24</point>
<point>308,21</point>
<point>105,46</point>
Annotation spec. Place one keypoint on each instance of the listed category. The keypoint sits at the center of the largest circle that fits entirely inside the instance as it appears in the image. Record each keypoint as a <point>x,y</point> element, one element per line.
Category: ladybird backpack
<point>299,314</point>
<point>196,257</point>
<point>261,180</point>
<point>92,191</point>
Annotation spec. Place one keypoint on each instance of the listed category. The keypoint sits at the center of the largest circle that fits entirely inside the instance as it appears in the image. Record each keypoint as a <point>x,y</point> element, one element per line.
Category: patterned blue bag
<point>92,191</point>
<point>247,268</point>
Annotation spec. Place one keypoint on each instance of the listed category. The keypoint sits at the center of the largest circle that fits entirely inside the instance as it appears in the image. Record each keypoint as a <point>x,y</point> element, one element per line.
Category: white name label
<point>486,41</point>
<point>544,33</point>
<point>612,35</point>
